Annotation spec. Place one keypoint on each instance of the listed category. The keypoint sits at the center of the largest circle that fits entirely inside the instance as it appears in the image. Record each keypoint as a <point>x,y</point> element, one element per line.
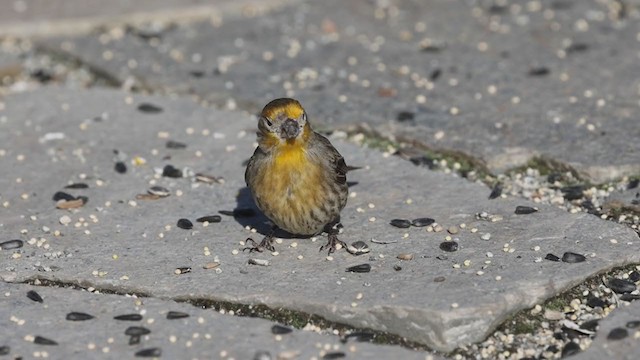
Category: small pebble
<point>523,210</point>
<point>453,230</point>
<point>552,257</point>
<point>78,316</point>
<point>634,276</point>
<point>280,330</point>
<point>362,268</point>
<point>34,296</point>
<point>185,224</point>
<point>259,262</point>
<point>400,223</point>
<point>405,256</point>
<point>570,257</point>
<point>421,222</point>
<point>618,334</point>
<point>449,246</point>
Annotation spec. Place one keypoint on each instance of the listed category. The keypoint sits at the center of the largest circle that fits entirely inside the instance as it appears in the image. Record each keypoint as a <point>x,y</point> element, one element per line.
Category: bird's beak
<point>289,129</point>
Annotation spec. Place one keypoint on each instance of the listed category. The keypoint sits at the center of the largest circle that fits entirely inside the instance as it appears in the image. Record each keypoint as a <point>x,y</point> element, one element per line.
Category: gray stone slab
<point>626,348</point>
<point>502,84</point>
<point>47,18</point>
<point>55,136</point>
<point>204,334</point>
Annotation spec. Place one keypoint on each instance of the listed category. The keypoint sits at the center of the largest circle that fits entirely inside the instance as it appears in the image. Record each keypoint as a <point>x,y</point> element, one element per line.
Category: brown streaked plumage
<point>297,178</point>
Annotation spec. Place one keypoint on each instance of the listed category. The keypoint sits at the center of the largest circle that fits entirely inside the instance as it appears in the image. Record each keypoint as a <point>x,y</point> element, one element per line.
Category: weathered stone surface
<point>46,18</point>
<point>54,137</point>
<point>624,349</point>
<point>501,83</point>
<point>204,334</point>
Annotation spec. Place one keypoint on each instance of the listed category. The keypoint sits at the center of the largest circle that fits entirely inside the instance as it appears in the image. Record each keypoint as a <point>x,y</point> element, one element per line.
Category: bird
<point>296,177</point>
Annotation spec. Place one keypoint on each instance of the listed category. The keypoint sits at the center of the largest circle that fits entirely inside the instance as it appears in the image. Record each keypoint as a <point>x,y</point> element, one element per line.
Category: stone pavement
<point>502,84</point>
<point>440,287</point>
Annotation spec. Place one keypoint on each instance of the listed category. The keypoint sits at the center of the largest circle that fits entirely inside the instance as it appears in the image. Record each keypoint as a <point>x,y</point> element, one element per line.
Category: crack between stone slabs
<point>99,74</point>
<point>293,318</point>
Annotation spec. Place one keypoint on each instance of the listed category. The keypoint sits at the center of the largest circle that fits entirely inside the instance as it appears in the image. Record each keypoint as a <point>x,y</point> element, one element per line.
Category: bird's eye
<point>268,122</point>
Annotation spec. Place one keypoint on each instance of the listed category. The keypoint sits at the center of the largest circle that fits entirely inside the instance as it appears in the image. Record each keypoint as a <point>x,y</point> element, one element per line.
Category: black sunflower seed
<point>621,286</point>
<point>280,330</point>
<point>397,267</point>
<point>629,297</point>
<point>524,210</point>
<point>404,116</point>
<point>334,355</point>
<point>420,222</point>
<point>210,219</point>
<point>120,167</point>
<point>172,315</point>
<point>618,334</point>
<point>577,47</point>
<point>449,246</point>
<point>11,244</point>
<point>34,296</point>
<point>570,349</point>
<point>595,302</point>
<point>148,108</point>
<point>362,268</point>
<point>171,171</point>
<point>634,276</point>
<point>185,224</point>
<point>539,71</point>
<point>400,223</point>
<point>262,355</point>
<point>136,331</point>
<point>4,350</point>
<point>552,257</point>
<point>128,317</point>
<point>61,195</point>
<point>574,192</point>
<point>134,340</point>
<point>151,352</point>
<point>78,316</point>
<point>435,75</point>
<point>633,324</point>
<point>159,191</point>
<point>239,212</point>
<point>361,336</point>
<point>77,186</point>
<point>572,258</point>
<point>175,145</point>
<point>591,325</point>
<point>496,191</point>
<point>43,341</point>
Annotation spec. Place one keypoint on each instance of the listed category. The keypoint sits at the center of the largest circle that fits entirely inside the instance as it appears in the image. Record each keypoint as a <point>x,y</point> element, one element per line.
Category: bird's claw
<point>266,243</point>
<point>332,243</point>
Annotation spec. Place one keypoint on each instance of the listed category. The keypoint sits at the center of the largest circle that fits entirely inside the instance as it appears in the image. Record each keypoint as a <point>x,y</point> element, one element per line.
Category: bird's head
<point>281,122</point>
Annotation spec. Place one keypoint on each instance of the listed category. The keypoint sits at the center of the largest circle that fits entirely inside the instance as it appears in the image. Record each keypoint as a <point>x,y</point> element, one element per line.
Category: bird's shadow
<point>247,213</point>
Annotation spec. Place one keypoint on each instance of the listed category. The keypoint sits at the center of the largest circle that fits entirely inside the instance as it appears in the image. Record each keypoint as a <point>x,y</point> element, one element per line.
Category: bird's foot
<point>266,243</point>
<point>332,243</point>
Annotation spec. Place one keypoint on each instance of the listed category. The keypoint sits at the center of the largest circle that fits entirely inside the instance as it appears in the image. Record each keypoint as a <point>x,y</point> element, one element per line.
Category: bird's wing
<point>258,155</point>
<point>336,161</point>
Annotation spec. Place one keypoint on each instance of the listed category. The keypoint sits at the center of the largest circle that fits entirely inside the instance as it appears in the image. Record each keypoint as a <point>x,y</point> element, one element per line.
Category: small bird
<point>297,178</point>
